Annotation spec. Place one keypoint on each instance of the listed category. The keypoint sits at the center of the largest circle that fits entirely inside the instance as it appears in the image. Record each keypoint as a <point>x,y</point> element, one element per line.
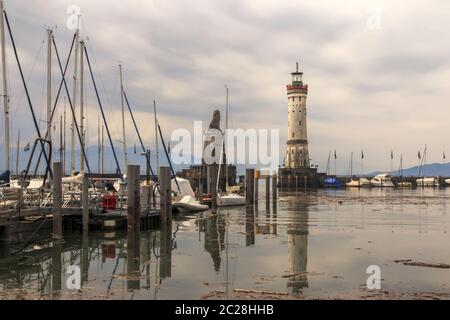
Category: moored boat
<point>404,184</point>
<point>231,199</point>
<point>358,183</point>
<point>382,180</point>
<point>189,204</point>
<point>331,182</point>
<point>428,182</point>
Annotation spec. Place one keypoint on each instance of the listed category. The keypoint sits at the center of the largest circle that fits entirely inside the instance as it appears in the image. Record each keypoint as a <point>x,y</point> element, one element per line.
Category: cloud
<point>371,89</point>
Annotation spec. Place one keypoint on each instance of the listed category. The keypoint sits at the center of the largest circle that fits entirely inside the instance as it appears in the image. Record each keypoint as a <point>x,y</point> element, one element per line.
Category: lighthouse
<point>297,155</point>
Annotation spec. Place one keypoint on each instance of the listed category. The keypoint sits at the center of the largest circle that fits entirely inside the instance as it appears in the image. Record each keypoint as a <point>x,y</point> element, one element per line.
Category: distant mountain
<point>432,169</point>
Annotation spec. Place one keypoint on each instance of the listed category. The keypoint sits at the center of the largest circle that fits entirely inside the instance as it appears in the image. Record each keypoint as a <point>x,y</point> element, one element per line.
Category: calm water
<point>314,245</point>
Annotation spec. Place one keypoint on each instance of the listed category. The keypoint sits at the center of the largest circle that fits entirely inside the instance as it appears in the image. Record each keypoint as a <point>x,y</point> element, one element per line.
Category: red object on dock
<point>207,199</point>
<point>109,201</point>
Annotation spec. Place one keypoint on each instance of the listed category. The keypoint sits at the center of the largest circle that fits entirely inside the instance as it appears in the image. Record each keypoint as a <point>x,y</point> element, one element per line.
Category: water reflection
<point>133,259</point>
<point>214,240</point>
<point>272,249</point>
<point>250,226</point>
<point>297,234</point>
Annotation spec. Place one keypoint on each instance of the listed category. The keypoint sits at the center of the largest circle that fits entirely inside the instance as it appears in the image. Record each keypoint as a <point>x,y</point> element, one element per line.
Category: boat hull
<point>186,208</point>
<point>361,183</point>
<point>428,182</point>
<point>226,201</point>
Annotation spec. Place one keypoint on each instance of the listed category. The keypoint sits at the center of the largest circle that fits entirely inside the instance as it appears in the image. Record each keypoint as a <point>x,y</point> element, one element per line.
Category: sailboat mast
<point>6,161</point>
<point>125,154</point>
<point>156,138</point>
<point>328,163</point>
<point>351,165</point>
<point>74,98</point>
<point>49,85</point>
<point>64,139</point>
<point>99,146</point>
<point>17,154</point>
<point>103,150</point>
<point>224,135</point>
<point>401,165</point>
<point>61,146</point>
<point>83,134</point>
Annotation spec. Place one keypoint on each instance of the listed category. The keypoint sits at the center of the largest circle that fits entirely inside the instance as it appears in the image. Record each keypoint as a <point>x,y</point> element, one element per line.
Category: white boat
<point>358,183</point>
<point>230,199</point>
<point>34,183</point>
<point>382,180</point>
<point>189,204</point>
<point>183,197</point>
<point>428,182</point>
<point>404,184</point>
<point>447,181</point>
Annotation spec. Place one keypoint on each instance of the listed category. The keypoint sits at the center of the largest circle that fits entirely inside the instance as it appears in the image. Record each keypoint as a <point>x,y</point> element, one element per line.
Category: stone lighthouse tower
<point>297,155</point>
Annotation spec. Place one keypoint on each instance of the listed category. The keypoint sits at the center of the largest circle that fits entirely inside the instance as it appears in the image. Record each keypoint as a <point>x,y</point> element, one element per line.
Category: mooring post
<point>20,198</point>
<point>208,179</point>
<point>165,197</point>
<point>268,187</point>
<point>134,198</point>
<point>250,186</point>
<point>145,197</point>
<point>257,174</point>
<point>57,201</point>
<point>274,191</point>
<point>214,179</point>
<point>85,199</point>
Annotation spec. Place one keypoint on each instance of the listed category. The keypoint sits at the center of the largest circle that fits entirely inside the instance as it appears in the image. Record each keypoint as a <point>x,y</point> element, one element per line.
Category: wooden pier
<point>27,213</point>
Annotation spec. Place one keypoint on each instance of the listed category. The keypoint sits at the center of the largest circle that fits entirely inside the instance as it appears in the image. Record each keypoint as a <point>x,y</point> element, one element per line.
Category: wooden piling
<point>134,198</point>
<point>250,186</point>
<point>257,174</point>
<point>165,196</point>
<point>208,179</point>
<point>214,179</point>
<point>274,187</point>
<point>57,201</point>
<point>146,197</point>
<point>268,187</point>
<point>85,199</point>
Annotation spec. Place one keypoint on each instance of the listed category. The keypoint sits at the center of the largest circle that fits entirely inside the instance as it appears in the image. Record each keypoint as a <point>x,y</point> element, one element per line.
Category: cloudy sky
<point>378,71</point>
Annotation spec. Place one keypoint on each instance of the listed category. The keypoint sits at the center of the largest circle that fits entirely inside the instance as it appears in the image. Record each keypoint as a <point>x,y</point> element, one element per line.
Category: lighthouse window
<point>300,123</point>
<point>292,134</point>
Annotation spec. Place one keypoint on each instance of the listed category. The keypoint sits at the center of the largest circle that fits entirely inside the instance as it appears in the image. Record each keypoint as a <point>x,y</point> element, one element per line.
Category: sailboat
<point>330,181</point>
<point>382,180</point>
<point>356,183</point>
<point>425,181</point>
<point>401,183</point>
<point>229,197</point>
<point>183,197</point>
